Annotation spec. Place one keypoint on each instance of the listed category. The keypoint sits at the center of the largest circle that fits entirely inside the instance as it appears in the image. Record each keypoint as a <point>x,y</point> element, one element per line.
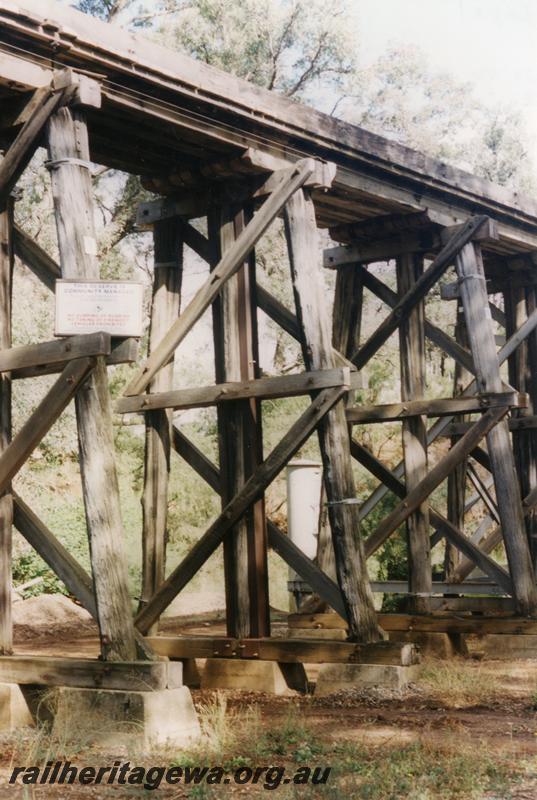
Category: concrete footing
<point>507,647</point>
<point>433,645</point>
<point>163,717</point>
<point>338,677</point>
<point>14,710</point>
<point>248,675</point>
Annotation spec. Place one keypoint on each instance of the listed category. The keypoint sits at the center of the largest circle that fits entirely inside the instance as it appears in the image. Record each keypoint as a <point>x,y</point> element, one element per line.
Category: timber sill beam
<point>43,418</point>
<point>286,650</point>
<point>251,491</point>
<point>57,352</point>
<point>321,177</point>
<point>261,389</point>
<point>443,260</point>
<point>139,676</point>
<point>229,264</point>
<point>441,407</point>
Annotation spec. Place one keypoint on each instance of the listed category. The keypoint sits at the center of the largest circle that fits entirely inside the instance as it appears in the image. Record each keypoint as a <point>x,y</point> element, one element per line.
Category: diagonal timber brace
<point>43,418</point>
<point>280,543</point>
<point>434,478</point>
<point>43,103</point>
<point>450,531</point>
<point>234,510</point>
<point>441,425</point>
<point>229,264</point>
<point>418,291</point>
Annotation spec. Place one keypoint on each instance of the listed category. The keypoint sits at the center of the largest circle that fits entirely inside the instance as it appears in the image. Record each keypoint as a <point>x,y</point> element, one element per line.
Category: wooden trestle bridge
<point>212,146</point>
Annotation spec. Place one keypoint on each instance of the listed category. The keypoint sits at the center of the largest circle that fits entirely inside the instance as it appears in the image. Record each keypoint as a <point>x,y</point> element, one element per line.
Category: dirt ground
<point>467,708</point>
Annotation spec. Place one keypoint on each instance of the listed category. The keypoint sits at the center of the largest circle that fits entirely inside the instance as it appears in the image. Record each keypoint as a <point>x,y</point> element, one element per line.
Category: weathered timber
<point>425,622</point>
<point>440,427</point>
<point>433,478</point>
<point>43,418</point>
<point>287,651</point>
<point>409,269</point>
<point>209,193</point>
<point>6,500</point>
<point>456,488</point>
<point>301,233</point>
<point>280,543</point>
<point>438,407</point>
<point>165,304</point>
<point>376,170</point>
<point>35,258</point>
<point>531,517</point>
<point>346,332</point>
<point>482,491</point>
<point>251,491</point>
<point>256,388</point>
<point>435,334</point>
<point>481,586</point>
<point>288,321</point>
<point>443,526</point>
<point>26,141</point>
<point>230,263</point>
<point>474,299</point>
<point>239,431</point>
<point>418,291</point>
<point>383,226</point>
<point>121,351</point>
<point>57,352</point>
<point>135,676</point>
<point>73,203</point>
<point>53,553</point>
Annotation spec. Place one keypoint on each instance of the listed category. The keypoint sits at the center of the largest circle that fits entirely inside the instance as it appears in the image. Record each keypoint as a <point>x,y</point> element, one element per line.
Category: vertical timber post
<point>412,357</point>
<point>239,435</point>
<point>531,518</point>
<point>474,297</point>
<point>73,204</point>
<point>165,305</point>
<point>346,331</point>
<point>312,314</point>
<point>6,500</point>
<point>456,487</point>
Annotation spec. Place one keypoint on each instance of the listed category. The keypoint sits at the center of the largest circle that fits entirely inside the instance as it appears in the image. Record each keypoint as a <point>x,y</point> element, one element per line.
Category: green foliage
<point>29,565</point>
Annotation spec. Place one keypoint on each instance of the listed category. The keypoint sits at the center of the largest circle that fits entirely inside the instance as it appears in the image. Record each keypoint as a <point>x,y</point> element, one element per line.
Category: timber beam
<point>191,206</point>
<point>440,407</point>
<point>56,353</point>
<point>260,389</point>
<point>136,676</point>
<point>424,623</point>
<point>287,651</point>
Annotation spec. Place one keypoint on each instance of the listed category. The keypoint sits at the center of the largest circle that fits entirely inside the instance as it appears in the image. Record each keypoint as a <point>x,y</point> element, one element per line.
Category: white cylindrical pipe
<point>304,483</point>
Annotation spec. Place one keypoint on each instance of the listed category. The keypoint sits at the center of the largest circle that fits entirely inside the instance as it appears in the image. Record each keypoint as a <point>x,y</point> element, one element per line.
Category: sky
<point>490,43</point>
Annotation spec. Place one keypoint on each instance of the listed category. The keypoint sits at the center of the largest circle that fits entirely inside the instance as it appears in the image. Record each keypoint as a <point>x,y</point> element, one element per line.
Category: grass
<point>443,767</point>
<point>460,683</point>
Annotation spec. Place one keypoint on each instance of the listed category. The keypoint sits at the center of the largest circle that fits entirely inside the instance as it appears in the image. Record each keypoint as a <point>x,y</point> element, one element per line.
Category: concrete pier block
<point>337,677</point>
<point>154,718</point>
<point>249,675</point>
<point>14,710</point>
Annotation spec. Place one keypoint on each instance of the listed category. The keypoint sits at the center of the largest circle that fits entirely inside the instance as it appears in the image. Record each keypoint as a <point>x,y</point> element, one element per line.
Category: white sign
<point>115,307</point>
